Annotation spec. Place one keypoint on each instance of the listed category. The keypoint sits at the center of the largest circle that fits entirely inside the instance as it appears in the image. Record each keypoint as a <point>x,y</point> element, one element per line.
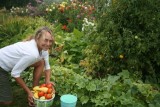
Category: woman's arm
<point>47,66</point>
<point>20,81</point>
<point>22,64</point>
<point>47,75</point>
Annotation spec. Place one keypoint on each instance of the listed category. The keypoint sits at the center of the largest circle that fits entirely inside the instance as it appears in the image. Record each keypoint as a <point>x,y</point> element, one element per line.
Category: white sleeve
<point>22,64</point>
<point>46,59</point>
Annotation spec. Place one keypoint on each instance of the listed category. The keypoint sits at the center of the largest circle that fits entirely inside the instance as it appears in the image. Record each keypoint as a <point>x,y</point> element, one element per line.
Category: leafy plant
<point>69,14</point>
<point>68,47</point>
<point>119,90</point>
<point>15,29</point>
<point>127,37</point>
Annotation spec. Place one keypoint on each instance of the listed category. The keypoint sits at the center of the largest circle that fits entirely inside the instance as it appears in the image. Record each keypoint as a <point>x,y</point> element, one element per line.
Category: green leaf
<point>84,99</point>
<point>128,81</point>
<point>107,95</point>
<point>91,86</point>
<point>77,33</point>
<point>124,74</point>
<point>113,79</point>
<point>81,84</point>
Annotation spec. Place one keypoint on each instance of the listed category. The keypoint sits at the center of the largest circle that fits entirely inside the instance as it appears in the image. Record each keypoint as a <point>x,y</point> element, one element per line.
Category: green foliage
<point>68,46</point>
<point>69,14</point>
<point>127,38</point>
<point>119,90</point>
<point>8,31</point>
<point>115,45</point>
<point>14,29</point>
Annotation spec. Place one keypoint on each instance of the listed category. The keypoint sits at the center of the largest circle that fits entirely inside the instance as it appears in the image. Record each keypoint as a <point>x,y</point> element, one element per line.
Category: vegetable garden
<point>105,52</point>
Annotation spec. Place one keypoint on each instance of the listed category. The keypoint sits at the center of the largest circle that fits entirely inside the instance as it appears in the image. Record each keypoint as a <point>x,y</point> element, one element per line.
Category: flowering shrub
<point>88,27</point>
<point>34,8</point>
<point>19,11</point>
<point>69,14</point>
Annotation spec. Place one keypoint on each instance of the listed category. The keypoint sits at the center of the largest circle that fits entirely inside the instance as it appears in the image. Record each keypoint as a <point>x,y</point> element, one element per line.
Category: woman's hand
<point>50,82</point>
<point>30,99</point>
<point>48,76</point>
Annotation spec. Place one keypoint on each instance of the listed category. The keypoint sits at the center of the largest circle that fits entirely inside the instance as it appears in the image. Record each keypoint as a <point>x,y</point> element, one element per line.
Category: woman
<point>15,58</point>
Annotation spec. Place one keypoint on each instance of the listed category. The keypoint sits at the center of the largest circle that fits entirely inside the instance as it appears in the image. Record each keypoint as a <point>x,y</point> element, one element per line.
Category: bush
<point>69,14</point>
<point>14,29</point>
<point>127,38</point>
<point>114,91</point>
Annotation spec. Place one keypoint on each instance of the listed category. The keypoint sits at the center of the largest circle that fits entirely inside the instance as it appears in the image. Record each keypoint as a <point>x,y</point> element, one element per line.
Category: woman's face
<point>45,41</point>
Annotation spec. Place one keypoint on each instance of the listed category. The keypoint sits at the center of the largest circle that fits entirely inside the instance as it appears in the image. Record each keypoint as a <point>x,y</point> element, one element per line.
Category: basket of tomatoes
<point>43,95</point>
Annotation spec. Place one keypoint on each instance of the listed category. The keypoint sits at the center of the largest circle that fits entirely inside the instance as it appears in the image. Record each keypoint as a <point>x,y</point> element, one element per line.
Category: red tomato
<point>50,90</point>
<point>41,93</point>
<point>49,85</point>
<point>45,95</point>
<point>48,96</point>
<point>42,85</point>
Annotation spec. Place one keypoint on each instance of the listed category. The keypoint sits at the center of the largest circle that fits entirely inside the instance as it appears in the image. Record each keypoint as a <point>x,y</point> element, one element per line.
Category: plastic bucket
<point>68,100</point>
<point>43,103</point>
